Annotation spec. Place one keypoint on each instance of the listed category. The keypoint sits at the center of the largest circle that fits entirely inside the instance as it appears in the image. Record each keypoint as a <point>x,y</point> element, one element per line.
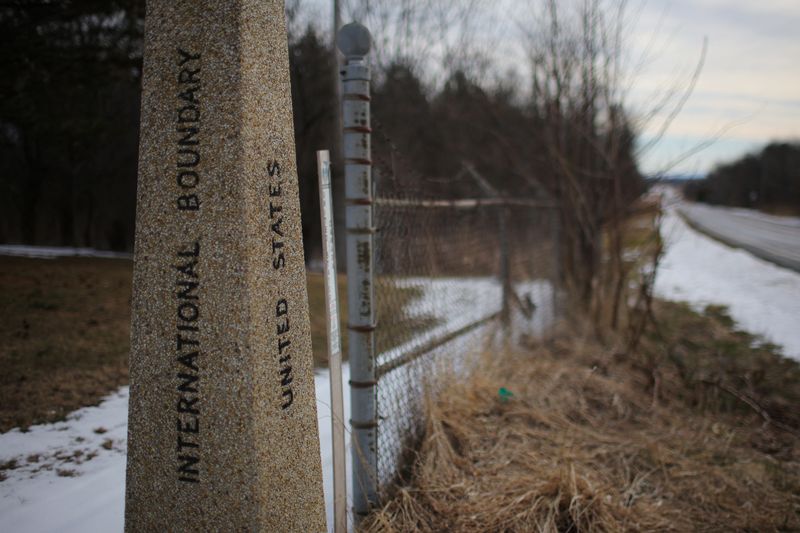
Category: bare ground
<point>65,334</point>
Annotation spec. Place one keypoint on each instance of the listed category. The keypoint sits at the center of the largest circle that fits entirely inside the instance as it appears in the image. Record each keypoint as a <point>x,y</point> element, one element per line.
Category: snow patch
<point>52,252</point>
<point>50,491</point>
<point>88,495</point>
<point>762,298</point>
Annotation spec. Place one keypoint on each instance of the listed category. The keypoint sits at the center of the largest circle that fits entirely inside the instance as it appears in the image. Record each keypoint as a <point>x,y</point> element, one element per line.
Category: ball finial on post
<point>354,40</point>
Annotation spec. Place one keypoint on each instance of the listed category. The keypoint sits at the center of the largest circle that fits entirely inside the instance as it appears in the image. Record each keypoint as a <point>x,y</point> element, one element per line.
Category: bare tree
<point>430,36</point>
<point>575,51</point>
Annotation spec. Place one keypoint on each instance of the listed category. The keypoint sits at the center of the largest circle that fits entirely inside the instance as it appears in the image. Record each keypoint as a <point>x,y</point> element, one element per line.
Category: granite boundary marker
<point>222,416</point>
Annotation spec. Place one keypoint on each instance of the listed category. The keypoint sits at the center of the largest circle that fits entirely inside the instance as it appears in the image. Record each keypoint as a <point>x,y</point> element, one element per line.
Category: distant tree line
<point>768,180</point>
<point>69,116</point>
<point>69,119</point>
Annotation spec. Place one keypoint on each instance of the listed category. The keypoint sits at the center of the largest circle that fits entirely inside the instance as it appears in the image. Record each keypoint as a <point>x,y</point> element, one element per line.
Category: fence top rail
<point>463,203</point>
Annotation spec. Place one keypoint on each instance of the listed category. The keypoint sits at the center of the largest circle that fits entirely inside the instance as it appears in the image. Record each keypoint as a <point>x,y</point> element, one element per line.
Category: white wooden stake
<point>334,343</point>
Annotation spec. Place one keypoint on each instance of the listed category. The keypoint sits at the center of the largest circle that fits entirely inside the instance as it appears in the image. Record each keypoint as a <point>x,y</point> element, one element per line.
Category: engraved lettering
<point>188,140</point>
<point>188,358</point>
<point>282,329</point>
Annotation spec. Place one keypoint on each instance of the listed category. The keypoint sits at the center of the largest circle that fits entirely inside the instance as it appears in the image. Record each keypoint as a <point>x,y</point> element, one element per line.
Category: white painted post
<point>334,343</point>
<point>354,42</point>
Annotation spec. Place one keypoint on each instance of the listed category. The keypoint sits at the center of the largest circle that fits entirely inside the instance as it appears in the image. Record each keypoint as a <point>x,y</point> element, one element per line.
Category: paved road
<point>775,239</point>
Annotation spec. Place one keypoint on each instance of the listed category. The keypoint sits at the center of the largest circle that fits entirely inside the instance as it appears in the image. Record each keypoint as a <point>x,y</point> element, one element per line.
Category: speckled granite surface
<point>223,429</point>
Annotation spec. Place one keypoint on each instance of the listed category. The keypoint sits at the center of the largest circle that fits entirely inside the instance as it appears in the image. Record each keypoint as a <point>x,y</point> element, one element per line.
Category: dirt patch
<point>7,465</point>
<point>64,335</point>
<point>575,436</point>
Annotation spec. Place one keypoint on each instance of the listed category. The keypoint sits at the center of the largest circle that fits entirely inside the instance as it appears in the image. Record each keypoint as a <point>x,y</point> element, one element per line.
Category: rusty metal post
<point>504,268</point>
<point>505,264</point>
<point>354,42</point>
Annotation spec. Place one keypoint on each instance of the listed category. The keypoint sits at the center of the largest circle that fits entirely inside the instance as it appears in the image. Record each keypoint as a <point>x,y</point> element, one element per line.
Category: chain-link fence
<point>440,269</point>
<point>453,275</point>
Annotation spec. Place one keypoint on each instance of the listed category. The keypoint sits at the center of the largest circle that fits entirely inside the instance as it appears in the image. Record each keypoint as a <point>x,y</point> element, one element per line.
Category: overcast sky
<point>749,89</point>
<point>748,92</point>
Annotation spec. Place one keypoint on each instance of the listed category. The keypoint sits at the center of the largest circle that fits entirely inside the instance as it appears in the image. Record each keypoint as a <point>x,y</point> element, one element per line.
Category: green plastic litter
<point>505,394</point>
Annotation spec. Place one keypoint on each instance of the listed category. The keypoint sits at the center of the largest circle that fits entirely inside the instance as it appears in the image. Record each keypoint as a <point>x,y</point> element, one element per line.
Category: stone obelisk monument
<point>222,418</point>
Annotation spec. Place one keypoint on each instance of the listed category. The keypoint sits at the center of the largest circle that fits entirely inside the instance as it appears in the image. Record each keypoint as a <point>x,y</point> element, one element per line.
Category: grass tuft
<point>590,440</point>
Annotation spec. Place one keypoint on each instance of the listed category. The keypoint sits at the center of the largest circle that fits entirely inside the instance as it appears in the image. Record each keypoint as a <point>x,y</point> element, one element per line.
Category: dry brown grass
<point>588,443</point>
<point>64,335</point>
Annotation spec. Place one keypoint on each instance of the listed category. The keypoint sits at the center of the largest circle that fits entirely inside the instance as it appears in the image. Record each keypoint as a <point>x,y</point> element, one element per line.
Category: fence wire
<point>457,268</point>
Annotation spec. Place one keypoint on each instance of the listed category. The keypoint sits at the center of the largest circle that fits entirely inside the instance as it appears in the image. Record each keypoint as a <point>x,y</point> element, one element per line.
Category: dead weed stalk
<point>581,446</point>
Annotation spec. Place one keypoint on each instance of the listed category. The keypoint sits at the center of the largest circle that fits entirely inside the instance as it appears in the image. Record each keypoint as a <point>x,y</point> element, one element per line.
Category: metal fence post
<point>505,264</point>
<point>504,268</point>
<point>354,42</point>
<point>558,249</point>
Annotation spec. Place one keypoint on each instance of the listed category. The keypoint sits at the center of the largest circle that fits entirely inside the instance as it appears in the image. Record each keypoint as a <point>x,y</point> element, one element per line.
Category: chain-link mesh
<point>457,266</point>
